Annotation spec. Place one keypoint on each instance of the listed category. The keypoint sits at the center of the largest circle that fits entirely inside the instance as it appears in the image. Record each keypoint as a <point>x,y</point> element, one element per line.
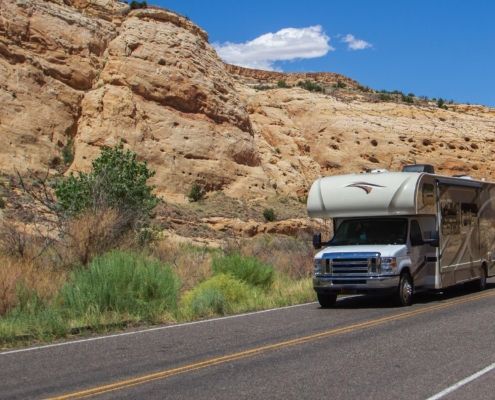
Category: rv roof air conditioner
<point>419,168</point>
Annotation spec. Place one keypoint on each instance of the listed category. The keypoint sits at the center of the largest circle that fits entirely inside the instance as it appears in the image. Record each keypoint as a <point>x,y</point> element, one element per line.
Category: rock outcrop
<point>257,76</point>
<point>76,75</point>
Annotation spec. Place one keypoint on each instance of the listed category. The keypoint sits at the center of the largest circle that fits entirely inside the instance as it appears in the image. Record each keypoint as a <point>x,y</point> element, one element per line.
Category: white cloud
<point>354,43</point>
<point>286,44</point>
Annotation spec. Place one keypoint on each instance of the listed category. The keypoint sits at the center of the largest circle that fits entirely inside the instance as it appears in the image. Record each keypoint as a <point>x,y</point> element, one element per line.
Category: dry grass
<point>44,282</point>
<point>93,233</point>
<point>288,255</point>
<point>192,264</point>
<point>14,239</point>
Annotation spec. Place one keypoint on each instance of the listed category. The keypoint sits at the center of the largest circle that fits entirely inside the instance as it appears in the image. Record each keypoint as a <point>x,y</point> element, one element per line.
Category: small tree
<point>117,180</point>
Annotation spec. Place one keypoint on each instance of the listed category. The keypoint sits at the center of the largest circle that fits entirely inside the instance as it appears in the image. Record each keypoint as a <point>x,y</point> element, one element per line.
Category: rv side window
<point>415,234</point>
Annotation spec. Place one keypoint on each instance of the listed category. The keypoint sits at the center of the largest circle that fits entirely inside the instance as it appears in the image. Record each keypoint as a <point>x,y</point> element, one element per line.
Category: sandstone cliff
<point>76,75</point>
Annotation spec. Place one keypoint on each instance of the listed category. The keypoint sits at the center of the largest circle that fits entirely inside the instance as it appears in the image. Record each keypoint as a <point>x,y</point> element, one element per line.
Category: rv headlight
<point>317,266</point>
<point>389,265</point>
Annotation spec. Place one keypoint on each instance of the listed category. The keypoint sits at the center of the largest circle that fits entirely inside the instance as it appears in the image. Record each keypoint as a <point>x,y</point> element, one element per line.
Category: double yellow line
<point>127,383</point>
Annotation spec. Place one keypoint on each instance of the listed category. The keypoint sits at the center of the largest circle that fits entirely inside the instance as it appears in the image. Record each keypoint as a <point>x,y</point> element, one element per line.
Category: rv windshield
<point>371,231</point>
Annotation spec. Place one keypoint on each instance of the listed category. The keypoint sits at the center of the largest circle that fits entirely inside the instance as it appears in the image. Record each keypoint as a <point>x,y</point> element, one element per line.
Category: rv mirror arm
<point>317,243</point>
<point>434,240</point>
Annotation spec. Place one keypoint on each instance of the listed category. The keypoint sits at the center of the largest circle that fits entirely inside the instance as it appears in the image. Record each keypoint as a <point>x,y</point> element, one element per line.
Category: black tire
<point>405,291</point>
<point>327,300</point>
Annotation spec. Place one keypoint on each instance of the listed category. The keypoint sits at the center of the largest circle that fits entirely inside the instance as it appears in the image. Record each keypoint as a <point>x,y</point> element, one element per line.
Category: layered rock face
<point>91,74</point>
<point>76,75</point>
<point>49,55</point>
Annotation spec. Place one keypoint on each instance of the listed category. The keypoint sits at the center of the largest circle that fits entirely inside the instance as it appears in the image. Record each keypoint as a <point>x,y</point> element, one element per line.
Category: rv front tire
<point>405,290</point>
<point>326,300</point>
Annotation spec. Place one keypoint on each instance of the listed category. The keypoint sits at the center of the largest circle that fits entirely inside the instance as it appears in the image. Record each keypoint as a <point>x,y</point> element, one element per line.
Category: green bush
<point>68,152</point>
<point>311,86</point>
<point>222,294</point>
<point>117,180</point>
<point>441,104</point>
<point>269,214</point>
<point>384,97</point>
<point>407,99</point>
<point>282,84</point>
<point>340,85</point>
<point>247,269</point>
<point>196,193</point>
<point>121,282</point>
<point>137,4</point>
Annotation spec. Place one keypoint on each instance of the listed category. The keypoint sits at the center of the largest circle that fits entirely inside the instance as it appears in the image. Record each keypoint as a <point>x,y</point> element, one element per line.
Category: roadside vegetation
<point>88,258</point>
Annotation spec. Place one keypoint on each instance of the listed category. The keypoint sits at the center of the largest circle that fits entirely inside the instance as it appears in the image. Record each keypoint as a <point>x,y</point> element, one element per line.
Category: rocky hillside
<point>76,75</point>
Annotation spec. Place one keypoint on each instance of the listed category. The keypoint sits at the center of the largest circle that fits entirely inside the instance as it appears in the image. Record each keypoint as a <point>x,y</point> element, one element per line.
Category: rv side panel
<point>487,226</point>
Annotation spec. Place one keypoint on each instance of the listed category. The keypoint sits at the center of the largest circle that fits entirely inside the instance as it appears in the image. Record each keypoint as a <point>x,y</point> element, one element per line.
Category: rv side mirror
<point>317,240</point>
<point>434,239</point>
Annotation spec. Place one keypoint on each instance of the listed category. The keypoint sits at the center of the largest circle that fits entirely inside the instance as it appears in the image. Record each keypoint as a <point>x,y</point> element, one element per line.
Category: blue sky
<point>437,48</point>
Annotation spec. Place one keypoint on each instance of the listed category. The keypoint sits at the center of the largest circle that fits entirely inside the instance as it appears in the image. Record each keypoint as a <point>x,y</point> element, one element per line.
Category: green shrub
<point>137,4</point>
<point>122,282</point>
<point>282,84</point>
<point>365,89</point>
<point>196,193</point>
<point>269,214</point>
<point>68,152</point>
<point>407,99</point>
<point>441,103</point>
<point>311,86</point>
<point>340,85</point>
<point>2,202</point>
<point>384,97</point>
<point>117,180</point>
<point>222,294</point>
<point>247,269</point>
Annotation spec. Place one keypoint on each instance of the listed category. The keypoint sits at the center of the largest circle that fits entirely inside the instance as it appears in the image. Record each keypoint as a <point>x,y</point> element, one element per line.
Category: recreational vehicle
<point>402,232</point>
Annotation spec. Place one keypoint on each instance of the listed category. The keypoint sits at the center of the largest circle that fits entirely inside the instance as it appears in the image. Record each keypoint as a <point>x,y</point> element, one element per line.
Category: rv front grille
<point>351,264</point>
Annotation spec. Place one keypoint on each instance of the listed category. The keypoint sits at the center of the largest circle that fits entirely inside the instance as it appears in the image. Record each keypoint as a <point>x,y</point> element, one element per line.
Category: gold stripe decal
<point>127,383</point>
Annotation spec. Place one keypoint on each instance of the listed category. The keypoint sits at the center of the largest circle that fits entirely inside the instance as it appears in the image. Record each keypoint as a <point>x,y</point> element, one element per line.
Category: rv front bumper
<point>354,284</point>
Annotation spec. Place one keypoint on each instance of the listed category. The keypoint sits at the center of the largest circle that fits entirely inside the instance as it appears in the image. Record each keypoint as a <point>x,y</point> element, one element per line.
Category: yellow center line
<point>126,383</point>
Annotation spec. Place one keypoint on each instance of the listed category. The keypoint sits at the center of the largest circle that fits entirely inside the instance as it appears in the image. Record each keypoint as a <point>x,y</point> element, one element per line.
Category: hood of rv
<point>385,250</point>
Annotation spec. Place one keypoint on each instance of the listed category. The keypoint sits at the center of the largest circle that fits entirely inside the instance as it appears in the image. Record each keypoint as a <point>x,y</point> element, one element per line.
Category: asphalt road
<point>361,349</point>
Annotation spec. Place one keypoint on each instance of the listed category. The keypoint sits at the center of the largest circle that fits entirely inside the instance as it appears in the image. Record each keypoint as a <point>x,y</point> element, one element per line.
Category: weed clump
<point>247,269</point>
<point>122,282</point>
<point>221,294</point>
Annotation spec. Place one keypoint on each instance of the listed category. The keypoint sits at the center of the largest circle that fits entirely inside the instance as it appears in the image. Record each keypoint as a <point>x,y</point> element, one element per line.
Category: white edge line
<point>157,328</point>
<point>463,382</point>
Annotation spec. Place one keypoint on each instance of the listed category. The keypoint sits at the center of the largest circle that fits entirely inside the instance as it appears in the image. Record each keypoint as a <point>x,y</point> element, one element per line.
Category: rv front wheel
<point>405,290</point>
<point>326,300</point>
